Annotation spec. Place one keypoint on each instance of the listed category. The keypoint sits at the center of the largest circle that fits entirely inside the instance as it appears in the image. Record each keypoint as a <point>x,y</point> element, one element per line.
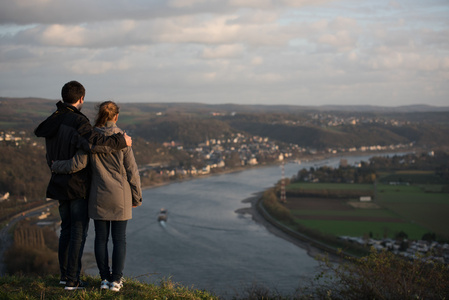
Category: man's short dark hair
<point>72,91</point>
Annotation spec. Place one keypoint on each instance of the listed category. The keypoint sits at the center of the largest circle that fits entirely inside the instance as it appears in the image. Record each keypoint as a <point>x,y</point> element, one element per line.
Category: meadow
<point>414,209</point>
<point>418,204</point>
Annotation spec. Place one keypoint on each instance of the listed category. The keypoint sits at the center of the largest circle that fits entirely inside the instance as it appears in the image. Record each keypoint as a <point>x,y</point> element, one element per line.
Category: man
<point>66,131</point>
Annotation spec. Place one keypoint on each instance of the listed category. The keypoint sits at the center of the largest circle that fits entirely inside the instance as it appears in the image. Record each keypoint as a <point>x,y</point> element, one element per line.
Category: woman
<point>115,190</point>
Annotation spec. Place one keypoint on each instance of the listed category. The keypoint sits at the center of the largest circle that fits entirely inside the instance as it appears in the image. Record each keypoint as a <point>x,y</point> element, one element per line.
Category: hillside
<point>183,136</point>
<point>312,127</point>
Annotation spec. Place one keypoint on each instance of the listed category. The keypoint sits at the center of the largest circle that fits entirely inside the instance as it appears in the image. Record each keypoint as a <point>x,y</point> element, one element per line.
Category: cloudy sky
<point>303,52</point>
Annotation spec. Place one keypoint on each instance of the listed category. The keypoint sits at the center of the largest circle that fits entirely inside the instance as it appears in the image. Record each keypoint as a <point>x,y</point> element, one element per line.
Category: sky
<point>294,52</point>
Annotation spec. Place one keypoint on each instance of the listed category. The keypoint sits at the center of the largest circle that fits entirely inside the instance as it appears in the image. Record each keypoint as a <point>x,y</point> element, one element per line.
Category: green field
<point>416,205</point>
<point>413,209</point>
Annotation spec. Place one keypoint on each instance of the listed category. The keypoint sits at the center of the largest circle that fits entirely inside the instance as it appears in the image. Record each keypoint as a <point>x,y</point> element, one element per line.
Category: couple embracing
<point>94,176</point>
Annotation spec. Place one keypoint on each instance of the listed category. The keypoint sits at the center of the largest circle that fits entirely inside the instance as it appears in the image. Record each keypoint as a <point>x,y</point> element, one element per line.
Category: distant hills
<point>231,107</point>
<point>307,126</point>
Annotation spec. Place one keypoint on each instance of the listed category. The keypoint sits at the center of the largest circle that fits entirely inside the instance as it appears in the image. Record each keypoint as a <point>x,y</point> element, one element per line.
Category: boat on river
<point>162,216</point>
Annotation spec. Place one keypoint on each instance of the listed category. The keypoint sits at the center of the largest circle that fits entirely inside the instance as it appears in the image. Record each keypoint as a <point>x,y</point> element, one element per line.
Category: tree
<point>401,235</point>
<point>429,236</point>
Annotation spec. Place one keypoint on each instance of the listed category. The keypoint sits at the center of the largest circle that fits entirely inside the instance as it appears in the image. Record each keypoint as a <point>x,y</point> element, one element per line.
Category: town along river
<point>205,244</point>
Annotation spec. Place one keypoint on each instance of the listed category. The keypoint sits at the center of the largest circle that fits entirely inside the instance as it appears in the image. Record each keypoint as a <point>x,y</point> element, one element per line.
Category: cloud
<point>71,12</point>
<point>223,51</point>
<point>58,35</point>
<point>209,30</point>
<point>341,40</point>
<point>258,60</point>
<point>81,11</point>
<point>270,4</point>
<point>198,50</point>
<point>96,67</point>
<point>186,3</point>
<point>260,4</point>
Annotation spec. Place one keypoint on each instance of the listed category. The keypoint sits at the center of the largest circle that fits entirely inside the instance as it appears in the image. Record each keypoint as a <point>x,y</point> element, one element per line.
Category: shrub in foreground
<point>383,275</point>
<point>29,260</point>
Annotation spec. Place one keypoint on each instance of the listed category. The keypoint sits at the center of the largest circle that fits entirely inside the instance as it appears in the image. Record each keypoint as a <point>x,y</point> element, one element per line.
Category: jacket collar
<point>110,124</point>
<point>50,126</point>
<point>62,106</point>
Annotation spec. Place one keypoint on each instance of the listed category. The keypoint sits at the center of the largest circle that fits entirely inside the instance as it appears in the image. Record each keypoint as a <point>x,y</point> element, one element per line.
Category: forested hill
<point>317,127</point>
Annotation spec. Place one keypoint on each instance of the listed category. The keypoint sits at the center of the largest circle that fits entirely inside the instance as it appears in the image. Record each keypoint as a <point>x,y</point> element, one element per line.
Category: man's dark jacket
<point>66,131</point>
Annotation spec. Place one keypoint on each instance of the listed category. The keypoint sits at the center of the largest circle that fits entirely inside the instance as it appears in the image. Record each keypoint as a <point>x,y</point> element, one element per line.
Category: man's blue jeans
<point>74,226</point>
<point>118,233</point>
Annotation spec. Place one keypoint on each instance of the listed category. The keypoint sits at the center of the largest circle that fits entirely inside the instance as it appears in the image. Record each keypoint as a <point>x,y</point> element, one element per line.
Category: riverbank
<point>305,158</point>
<point>258,218</point>
<point>200,176</point>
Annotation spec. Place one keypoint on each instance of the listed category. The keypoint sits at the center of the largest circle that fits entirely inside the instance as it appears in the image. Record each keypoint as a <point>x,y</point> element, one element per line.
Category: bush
<point>383,275</point>
<point>29,260</point>
<point>275,208</point>
<point>34,250</point>
<point>51,239</point>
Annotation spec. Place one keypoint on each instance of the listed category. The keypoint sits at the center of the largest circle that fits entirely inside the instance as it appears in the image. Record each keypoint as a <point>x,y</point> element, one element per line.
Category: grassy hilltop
<point>377,276</point>
<point>31,287</point>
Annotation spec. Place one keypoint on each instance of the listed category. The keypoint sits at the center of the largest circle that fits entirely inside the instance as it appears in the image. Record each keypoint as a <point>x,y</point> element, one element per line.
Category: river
<point>205,244</point>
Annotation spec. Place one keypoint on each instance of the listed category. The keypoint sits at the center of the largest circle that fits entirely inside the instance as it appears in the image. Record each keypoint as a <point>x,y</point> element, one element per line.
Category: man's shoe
<point>116,286</point>
<point>63,281</point>
<point>105,285</point>
<point>74,285</point>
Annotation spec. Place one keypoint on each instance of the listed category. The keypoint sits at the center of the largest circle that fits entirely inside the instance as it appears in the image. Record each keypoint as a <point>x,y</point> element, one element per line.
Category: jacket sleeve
<point>132,173</point>
<point>94,138</point>
<point>90,148</point>
<point>78,162</point>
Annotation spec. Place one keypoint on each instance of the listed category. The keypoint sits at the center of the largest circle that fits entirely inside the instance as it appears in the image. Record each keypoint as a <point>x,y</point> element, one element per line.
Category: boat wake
<point>163,224</point>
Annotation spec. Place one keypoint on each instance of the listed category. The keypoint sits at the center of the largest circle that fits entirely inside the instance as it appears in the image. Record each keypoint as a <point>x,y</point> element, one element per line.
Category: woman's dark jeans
<point>74,226</point>
<point>118,233</point>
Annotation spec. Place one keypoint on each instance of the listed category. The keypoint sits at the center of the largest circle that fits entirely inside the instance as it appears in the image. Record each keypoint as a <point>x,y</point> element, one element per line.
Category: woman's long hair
<point>106,112</point>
